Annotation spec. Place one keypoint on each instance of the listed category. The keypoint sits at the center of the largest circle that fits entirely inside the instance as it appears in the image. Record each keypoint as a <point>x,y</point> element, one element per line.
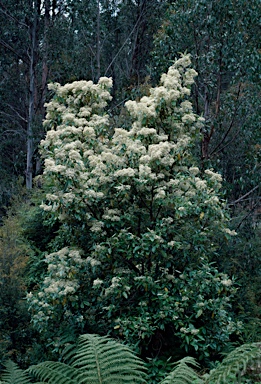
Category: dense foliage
<point>138,222</point>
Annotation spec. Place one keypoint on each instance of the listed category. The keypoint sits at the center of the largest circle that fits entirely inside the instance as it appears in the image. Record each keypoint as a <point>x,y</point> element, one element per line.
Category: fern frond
<point>13,374</point>
<point>97,360</point>
<point>54,372</point>
<point>235,364</point>
<point>184,373</point>
<point>101,360</point>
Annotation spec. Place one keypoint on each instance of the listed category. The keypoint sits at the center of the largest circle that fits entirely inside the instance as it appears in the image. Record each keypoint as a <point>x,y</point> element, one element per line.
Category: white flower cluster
<point>77,123</point>
<point>213,176</point>
<point>112,215</point>
<point>115,283</point>
<point>93,262</point>
<point>60,284</point>
<point>175,86</point>
<point>227,282</point>
<point>97,282</point>
<point>191,330</point>
<point>76,147</point>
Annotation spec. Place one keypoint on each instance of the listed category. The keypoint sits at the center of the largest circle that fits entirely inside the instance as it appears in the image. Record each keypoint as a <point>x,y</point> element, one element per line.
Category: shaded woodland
<point>131,42</point>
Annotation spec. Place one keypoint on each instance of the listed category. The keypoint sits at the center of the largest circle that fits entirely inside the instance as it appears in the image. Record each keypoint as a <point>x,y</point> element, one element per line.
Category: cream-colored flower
<point>230,232</point>
<point>227,282</point>
<point>97,282</point>
<point>213,175</point>
<point>125,172</point>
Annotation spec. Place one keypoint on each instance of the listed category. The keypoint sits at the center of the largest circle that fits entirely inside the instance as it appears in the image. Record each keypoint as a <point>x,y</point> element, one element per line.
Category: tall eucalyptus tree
<point>20,52</point>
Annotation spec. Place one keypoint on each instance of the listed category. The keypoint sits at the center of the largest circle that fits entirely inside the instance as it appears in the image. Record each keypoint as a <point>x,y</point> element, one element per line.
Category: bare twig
<point>245,195</point>
<point>247,215</point>
<point>123,45</point>
<point>230,125</point>
<point>227,143</point>
<point>17,113</point>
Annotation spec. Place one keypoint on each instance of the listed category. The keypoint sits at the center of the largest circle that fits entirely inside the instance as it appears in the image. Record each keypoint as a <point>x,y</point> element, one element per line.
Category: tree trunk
<point>98,37</point>
<point>32,90</point>
<point>45,69</point>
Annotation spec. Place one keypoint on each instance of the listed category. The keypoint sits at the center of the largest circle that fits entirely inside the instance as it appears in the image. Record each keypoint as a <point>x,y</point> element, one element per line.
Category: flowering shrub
<point>149,220</point>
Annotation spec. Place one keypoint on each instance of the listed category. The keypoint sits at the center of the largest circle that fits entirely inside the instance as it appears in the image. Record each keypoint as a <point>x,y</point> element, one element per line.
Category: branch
<point>11,119</point>
<point>132,266</point>
<point>242,197</point>
<point>17,113</point>
<point>13,132</point>
<point>120,103</point>
<point>123,45</point>
<point>7,46</point>
<point>247,215</point>
<point>3,9</point>
<point>227,143</point>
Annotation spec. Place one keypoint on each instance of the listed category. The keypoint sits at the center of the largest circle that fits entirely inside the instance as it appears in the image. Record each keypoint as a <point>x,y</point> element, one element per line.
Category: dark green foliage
<point>159,368</point>
<point>222,39</point>
<point>14,317</point>
<point>229,371</point>
<point>244,263</point>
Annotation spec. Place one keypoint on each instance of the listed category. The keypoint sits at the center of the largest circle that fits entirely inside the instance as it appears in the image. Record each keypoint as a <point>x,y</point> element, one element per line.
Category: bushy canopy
<point>139,222</point>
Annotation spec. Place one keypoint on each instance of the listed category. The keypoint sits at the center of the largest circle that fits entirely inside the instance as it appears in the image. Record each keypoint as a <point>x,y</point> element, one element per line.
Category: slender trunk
<point>45,68</point>
<point>31,109</point>
<point>139,48</point>
<point>208,134</point>
<point>206,138</point>
<point>98,52</point>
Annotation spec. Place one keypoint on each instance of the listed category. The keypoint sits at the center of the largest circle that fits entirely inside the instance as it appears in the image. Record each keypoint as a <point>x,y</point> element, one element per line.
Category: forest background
<point>133,42</point>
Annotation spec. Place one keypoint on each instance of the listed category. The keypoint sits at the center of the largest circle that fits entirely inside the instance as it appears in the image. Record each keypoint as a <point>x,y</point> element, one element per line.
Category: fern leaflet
<point>184,373</point>
<point>235,364</point>
<point>13,374</point>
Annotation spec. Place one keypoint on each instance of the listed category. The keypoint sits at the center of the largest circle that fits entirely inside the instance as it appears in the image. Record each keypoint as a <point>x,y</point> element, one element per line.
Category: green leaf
<point>199,313</point>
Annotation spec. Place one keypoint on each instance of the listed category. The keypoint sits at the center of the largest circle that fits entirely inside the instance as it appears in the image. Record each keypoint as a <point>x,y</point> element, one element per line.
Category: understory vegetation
<point>97,359</point>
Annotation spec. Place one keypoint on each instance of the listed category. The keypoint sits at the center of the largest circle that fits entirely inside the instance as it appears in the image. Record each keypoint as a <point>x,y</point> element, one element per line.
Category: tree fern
<point>97,360</point>
<point>184,373</point>
<point>235,364</point>
<point>13,374</point>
